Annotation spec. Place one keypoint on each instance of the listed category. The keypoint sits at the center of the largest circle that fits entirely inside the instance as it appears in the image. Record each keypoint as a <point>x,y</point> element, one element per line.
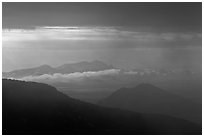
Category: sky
<point>126,35</point>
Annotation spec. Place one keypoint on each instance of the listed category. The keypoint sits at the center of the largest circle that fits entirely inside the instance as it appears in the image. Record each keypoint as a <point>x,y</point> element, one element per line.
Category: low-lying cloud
<point>109,80</point>
<point>72,77</point>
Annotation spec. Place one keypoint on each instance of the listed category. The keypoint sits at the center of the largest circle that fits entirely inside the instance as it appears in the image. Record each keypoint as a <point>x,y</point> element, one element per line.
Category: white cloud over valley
<point>72,77</point>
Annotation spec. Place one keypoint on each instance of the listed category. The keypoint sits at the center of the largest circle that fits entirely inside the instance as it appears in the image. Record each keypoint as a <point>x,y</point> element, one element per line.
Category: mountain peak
<point>83,66</point>
<point>98,61</point>
<point>44,66</point>
<point>147,98</point>
<point>146,86</point>
<point>35,108</point>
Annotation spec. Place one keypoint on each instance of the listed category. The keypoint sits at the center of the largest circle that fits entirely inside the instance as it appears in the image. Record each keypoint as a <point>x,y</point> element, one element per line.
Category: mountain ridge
<point>35,108</point>
<point>146,98</point>
<point>63,69</point>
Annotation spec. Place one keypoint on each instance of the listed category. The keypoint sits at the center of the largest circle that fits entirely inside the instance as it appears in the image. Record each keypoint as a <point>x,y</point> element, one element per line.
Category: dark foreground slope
<point>146,98</point>
<point>34,108</point>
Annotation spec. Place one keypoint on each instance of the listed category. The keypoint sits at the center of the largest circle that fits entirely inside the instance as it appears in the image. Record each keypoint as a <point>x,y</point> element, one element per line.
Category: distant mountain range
<point>64,69</point>
<point>99,66</point>
<point>146,98</point>
<point>183,82</point>
<point>34,108</point>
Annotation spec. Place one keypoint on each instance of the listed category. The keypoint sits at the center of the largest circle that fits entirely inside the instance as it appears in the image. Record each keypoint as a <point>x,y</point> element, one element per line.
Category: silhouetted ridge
<point>63,69</point>
<point>83,66</point>
<point>147,86</point>
<point>147,98</point>
<point>44,69</point>
<point>35,93</point>
<point>34,108</point>
<point>44,66</point>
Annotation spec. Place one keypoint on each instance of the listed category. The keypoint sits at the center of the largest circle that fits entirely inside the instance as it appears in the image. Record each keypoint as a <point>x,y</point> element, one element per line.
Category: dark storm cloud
<point>163,17</point>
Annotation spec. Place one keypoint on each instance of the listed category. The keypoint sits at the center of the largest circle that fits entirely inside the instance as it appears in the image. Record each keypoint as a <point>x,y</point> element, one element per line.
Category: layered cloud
<point>72,77</point>
<point>62,33</point>
<point>124,47</point>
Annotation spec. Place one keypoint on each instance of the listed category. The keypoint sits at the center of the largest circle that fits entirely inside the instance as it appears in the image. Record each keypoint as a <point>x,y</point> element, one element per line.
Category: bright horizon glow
<point>56,45</point>
<point>91,33</point>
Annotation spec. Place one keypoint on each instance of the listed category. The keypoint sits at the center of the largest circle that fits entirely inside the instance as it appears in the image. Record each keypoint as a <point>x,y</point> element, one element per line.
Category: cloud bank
<point>63,33</point>
<point>72,77</point>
